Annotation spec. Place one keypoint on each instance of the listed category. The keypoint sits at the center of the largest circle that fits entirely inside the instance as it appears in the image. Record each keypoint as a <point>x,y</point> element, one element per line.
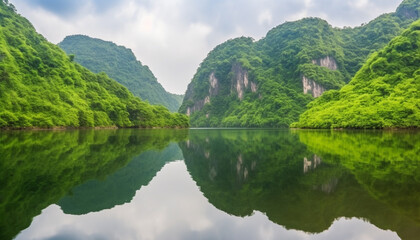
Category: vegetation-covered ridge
<point>120,64</point>
<point>268,83</point>
<point>40,86</point>
<point>384,93</point>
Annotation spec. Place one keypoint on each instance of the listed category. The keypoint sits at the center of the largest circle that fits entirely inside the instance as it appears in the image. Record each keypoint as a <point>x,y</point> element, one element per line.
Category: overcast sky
<point>172,37</point>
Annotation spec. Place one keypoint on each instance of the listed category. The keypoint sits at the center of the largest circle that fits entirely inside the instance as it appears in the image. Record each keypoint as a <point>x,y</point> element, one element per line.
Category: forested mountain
<point>268,83</point>
<point>41,86</point>
<point>384,93</point>
<point>120,64</point>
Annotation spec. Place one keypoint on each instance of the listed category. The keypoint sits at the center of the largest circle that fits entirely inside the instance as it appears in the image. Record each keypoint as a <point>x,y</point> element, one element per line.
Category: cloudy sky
<point>172,37</point>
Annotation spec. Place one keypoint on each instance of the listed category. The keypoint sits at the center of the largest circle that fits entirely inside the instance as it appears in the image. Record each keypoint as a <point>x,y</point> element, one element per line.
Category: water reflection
<point>372,176</point>
<point>172,207</point>
<point>39,168</point>
<point>232,184</point>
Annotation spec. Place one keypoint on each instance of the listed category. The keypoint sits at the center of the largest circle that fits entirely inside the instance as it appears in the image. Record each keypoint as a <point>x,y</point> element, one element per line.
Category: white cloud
<point>265,18</point>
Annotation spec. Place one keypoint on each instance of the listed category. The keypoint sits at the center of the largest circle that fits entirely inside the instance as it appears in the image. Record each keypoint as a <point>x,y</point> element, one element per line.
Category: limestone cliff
<point>241,82</point>
<point>239,85</point>
<point>328,62</point>
<point>310,86</point>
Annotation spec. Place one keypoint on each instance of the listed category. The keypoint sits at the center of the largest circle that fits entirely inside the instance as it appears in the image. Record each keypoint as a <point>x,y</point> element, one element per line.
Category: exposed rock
<point>328,62</point>
<point>198,105</point>
<point>214,85</point>
<point>240,81</point>
<point>253,87</point>
<point>207,100</point>
<point>310,86</point>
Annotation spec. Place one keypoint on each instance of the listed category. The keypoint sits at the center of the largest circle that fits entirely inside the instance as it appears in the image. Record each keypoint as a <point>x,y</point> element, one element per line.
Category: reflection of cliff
<point>39,168</point>
<point>225,164</point>
<point>243,171</point>
<point>121,186</point>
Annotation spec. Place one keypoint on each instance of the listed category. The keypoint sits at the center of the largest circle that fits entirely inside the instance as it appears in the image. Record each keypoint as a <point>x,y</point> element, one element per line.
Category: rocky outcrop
<point>213,91</point>
<point>328,62</point>
<point>214,85</point>
<point>240,81</point>
<point>312,87</point>
<point>198,105</point>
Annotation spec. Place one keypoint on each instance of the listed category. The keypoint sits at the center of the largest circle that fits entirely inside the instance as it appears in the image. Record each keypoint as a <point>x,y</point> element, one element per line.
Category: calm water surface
<point>209,184</point>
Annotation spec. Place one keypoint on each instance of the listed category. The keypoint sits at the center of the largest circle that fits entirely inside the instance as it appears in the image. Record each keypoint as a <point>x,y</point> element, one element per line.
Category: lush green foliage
<point>368,175</point>
<point>40,86</point>
<point>38,168</point>
<point>276,65</point>
<point>120,64</point>
<point>384,93</point>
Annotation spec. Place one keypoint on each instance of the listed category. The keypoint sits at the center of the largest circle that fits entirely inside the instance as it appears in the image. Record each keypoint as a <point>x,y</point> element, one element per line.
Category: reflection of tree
<point>121,186</point>
<point>39,168</point>
<point>275,183</point>
<point>386,164</point>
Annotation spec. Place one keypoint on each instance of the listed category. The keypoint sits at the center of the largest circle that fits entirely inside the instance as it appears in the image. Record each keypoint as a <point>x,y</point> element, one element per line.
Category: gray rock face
<point>198,105</point>
<point>213,91</point>
<point>240,81</point>
<point>214,85</point>
<point>328,62</point>
<point>310,86</point>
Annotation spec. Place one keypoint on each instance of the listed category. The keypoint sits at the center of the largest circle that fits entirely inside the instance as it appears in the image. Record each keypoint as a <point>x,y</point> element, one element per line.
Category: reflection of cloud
<point>172,207</point>
<point>174,36</point>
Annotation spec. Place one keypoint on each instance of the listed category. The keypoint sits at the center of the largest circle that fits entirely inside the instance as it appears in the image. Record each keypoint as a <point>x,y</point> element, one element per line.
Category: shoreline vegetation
<point>63,128</point>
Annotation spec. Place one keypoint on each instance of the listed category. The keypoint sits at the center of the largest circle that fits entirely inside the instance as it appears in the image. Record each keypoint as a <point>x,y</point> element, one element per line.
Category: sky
<point>173,37</point>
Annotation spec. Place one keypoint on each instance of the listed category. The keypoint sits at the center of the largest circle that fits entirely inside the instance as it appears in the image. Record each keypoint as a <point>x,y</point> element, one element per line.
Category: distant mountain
<point>268,83</point>
<point>41,86</point>
<point>120,64</point>
<point>384,93</point>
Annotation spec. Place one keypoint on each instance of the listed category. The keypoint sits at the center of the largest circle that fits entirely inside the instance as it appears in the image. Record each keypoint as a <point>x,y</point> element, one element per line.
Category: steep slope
<point>40,86</point>
<point>384,93</point>
<point>268,83</point>
<point>120,64</point>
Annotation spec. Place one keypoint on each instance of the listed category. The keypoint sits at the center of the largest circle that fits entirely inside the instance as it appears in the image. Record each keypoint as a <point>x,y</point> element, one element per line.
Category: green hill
<point>268,83</point>
<point>120,64</point>
<point>384,93</point>
<point>40,86</point>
